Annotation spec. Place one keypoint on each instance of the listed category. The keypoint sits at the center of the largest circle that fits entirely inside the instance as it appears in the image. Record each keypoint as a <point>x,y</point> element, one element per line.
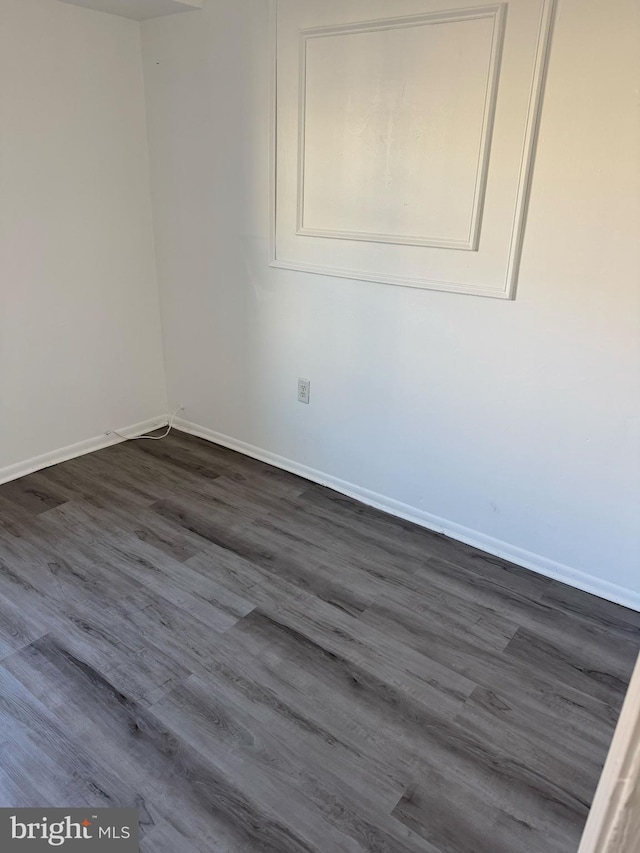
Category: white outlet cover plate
<point>304,390</point>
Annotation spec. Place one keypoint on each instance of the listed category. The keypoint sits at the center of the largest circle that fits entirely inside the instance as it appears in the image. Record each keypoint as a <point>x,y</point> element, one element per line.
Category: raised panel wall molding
<point>402,146</point>
<point>483,81</point>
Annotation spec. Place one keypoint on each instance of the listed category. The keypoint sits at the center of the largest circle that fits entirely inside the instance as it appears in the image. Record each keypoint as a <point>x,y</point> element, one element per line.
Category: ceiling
<point>139,9</point>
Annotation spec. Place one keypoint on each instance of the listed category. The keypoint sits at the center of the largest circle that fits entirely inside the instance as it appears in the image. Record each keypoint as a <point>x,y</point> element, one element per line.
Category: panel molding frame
<point>506,287</point>
<point>496,11</point>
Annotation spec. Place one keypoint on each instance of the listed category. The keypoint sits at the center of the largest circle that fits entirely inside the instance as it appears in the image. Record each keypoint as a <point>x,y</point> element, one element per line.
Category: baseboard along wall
<point>79,448</point>
<point>496,547</point>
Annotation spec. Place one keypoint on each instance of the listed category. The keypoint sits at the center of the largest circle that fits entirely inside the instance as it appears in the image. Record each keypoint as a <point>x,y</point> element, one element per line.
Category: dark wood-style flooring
<point>260,664</point>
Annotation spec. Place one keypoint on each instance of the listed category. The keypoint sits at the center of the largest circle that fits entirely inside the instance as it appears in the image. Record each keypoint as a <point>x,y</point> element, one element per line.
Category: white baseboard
<point>36,463</point>
<point>496,547</point>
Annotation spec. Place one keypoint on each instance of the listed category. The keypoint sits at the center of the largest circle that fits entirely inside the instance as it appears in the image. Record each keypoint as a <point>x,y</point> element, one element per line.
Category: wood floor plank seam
<point>261,665</point>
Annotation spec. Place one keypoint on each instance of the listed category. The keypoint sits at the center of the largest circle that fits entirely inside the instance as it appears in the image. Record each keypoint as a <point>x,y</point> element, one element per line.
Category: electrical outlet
<point>304,389</point>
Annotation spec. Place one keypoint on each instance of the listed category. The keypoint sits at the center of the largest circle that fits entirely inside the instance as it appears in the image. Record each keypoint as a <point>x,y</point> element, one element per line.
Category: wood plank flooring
<point>260,664</point>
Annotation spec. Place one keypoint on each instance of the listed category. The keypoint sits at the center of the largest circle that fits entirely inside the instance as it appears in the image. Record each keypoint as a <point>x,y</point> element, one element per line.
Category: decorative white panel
<point>405,123</point>
<point>403,144</point>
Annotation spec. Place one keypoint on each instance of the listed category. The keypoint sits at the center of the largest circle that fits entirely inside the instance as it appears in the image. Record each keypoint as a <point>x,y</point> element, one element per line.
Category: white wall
<point>80,338</point>
<point>538,459</point>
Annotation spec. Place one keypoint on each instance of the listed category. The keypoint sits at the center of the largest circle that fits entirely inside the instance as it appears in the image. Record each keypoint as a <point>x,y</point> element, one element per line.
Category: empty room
<point>319,507</point>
